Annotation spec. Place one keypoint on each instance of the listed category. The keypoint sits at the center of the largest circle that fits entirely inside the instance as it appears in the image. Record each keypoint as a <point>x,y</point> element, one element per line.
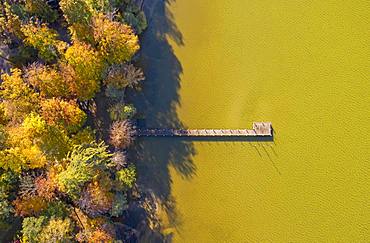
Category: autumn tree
<point>47,80</point>
<point>32,227</point>
<point>87,70</point>
<point>64,114</point>
<point>57,230</point>
<point>95,199</point>
<point>41,9</point>
<point>10,24</point>
<point>115,41</point>
<point>78,15</point>
<point>83,162</point>
<point>124,75</point>
<point>121,134</point>
<point>44,39</point>
<point>18,98</point>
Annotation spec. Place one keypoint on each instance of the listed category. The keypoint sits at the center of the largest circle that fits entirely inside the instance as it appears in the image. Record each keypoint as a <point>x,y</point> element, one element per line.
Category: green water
<point>304,66</point>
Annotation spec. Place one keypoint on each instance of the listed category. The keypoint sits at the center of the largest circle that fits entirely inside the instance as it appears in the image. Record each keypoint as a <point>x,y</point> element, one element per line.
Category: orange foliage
<point>96,199</point>
<point>28,206</point>
<point>100,235</point>
<point>45,187</point>
<point>47,80</point>
<point>65,114</point>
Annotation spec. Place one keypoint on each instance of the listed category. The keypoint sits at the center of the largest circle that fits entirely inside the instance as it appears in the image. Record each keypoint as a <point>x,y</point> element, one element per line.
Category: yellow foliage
<point>47,80</point>
<point>24,140</point>
<point>18,98</point>
<point>10,24</point>
<point>78,15</point>
<point>12,159</point>
<point>44,39</point>
<point>87,66</point>
<point>116,42</point>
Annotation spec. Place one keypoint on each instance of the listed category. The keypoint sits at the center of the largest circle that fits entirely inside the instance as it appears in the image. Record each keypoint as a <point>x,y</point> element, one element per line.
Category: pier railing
<point>259,129</point>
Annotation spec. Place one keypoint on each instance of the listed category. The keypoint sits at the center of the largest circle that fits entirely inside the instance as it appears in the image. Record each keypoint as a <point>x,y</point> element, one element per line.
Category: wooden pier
<point>263,129</point>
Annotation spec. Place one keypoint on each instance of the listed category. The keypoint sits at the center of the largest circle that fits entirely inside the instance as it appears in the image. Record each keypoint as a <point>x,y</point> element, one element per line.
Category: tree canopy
<point>57,174</point>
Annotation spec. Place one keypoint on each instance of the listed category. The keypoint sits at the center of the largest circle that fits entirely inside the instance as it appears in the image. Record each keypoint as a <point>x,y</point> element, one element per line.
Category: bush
<point>121,134</point>
<point>119,112</point>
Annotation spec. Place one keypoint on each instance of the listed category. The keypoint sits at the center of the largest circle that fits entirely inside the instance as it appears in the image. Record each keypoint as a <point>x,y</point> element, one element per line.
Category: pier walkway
<point>259,129</point>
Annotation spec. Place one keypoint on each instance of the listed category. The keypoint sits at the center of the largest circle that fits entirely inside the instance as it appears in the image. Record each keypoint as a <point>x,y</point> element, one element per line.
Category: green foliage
<point>119,204</point>
<point>78,15</point>
<point>32,227</point>
<point>76,11</point>
<point>114,93</point>
<point>56,209</point>
<point>126,177</point>
<point>5,207</point>
<point>129,13</point>
<point>44,39</point>
<point>99,6</point>
<point>10,24</point>
<point>55,143</point>
<point>84,160</point>
<point>41,9</point>
<point>74,177</point>
<point>121,112</point>
<point>134,17</point>
<point>83,136</point>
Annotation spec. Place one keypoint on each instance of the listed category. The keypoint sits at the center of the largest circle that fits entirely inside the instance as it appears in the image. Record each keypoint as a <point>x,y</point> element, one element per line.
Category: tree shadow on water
<point>157,102</point>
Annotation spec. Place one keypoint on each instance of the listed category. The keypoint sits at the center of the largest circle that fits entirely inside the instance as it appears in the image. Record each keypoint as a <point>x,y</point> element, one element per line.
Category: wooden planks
<point>259,129</point>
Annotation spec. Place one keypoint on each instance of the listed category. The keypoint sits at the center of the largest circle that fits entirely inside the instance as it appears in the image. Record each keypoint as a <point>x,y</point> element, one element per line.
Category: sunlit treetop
<point>116,42</point>
<point>44,39</point>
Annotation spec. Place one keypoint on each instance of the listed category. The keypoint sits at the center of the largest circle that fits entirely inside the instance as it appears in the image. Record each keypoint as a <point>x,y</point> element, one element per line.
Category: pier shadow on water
<point>157,102</point>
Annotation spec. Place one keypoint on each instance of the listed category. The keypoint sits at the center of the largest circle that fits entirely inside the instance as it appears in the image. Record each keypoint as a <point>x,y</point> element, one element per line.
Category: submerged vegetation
<point>62,177</point>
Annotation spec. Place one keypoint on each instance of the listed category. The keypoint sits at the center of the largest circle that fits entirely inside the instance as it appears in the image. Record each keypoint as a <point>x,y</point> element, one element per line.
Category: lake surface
<point>304,66</point>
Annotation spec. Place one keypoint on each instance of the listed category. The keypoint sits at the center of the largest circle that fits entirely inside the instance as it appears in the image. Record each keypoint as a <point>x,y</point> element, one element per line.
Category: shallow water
<point>304,66</point>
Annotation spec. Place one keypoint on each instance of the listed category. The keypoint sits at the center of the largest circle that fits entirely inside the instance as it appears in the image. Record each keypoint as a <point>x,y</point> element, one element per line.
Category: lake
<point>304,66</point>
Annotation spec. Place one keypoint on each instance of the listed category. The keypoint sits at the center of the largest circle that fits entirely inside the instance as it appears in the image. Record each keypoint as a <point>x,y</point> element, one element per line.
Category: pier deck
<point>259,129</point>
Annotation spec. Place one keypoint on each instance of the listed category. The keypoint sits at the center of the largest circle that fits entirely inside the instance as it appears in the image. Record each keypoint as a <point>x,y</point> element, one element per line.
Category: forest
<point>65,175</point>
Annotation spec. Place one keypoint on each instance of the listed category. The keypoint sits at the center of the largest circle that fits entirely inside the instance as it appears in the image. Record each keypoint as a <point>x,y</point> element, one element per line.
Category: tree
<point>95,199</point>
<point>24,151</point>
<point>10,24</point>
<point>29,205</point>
<point>133,16</point>
<point>78,15</point>
<point>121,134</point>
<point>83,163</point>
<point>57,230</point>
<point>31,228</point>
<point>126,177</point>
<point>119,112</point>
<point>87,67</point>
<point>116,42</point>
<point>64,114</point>
<point>41,9</point>
<point>47,80</point>
<point>44,39</point>
<point>18,98</point>
<point>124,75</point>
